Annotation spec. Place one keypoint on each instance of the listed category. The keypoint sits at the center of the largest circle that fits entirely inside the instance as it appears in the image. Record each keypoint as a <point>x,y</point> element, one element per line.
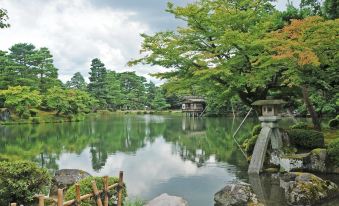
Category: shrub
<point>35,120</point>
<point>300,125</point>
<point>333,152</point>
<point>20,181</point>
<point>334,123</point>
<point>86,187</point>
<point>256,129</point>
<point>306,139</point>
<point>249,144</point>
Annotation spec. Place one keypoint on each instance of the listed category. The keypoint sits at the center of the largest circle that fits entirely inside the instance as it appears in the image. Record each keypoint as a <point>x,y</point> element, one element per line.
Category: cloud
<point>75,31</point>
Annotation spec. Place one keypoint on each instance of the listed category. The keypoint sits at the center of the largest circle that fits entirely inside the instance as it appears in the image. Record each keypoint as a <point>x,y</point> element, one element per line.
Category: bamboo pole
<point>77,193</point>
<point>60,197</point>
<point>106,190</point>
<point>121,177</point>
<point>96,193</point>
<point>41,200</point>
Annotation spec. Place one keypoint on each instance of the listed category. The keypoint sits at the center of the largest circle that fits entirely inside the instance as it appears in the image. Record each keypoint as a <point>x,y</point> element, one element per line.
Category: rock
<point>236,194</point>
<point>306,188</point>
<point>65,178</point>
<point>316,161</point>
<point>167,200</point>
<point>5,114</point>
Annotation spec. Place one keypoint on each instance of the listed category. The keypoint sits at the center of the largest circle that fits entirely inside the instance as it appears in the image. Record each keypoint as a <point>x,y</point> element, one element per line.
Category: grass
<point>330,135</point>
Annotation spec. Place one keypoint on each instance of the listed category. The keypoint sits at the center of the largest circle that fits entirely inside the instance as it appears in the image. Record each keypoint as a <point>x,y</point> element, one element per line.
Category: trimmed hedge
<point>333,152</point>
<point>306,139</point>
<point>86,188</point>
<point>20,181</point>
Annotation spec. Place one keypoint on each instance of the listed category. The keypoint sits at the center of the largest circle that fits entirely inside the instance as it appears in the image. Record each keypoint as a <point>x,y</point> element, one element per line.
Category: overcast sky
<point>76,31</point>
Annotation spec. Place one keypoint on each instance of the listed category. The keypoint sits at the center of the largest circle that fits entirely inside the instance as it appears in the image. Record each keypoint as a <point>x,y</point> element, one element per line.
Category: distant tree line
<point>29,79</point>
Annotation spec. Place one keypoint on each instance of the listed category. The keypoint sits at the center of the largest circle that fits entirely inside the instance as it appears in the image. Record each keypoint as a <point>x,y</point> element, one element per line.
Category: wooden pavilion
<point>193,106</point>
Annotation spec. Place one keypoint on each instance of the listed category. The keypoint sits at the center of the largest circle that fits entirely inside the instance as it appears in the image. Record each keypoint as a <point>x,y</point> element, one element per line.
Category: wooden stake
<point>96,193</point>
<point>77,192</point>
<point>60,197</point>
<point>106,190</point>
<point>41,200</point>
<point>13,204</point>
<point>121,176</point>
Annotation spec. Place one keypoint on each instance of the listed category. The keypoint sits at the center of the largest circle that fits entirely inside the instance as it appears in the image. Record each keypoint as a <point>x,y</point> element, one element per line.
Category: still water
<point>191,158</point>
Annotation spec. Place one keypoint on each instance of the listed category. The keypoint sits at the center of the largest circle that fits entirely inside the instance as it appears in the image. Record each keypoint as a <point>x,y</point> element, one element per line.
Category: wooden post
<point>121,176</point>
<point>96,193</point>
<point>13,204</point>
<point>41,200</point>
<point>106,190</point>
<point>77,193</point>
<point>60,197</point>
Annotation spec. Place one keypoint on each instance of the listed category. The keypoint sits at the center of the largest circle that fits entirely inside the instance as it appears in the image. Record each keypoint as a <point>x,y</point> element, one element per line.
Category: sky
<point>77,31</point>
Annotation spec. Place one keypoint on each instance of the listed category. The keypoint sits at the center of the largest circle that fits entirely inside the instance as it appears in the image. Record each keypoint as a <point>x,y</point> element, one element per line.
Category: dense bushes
<point>249,144</point>
<point>300,125</point>
<point>333,152</point>
<point>86,187</point>
<point>256,129</point>
<point>306,139</point>
<point>20,181</point>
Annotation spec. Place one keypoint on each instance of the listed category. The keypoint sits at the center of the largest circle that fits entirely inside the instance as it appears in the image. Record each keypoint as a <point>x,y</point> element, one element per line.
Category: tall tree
<point>216,49</point>
<point>77,82</point>
<point>114,95</point>
<point>159,101</point>
<point>97,86</point>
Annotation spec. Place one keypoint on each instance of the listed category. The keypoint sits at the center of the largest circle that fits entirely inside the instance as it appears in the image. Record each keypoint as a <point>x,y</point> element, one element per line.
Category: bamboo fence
<point>95,193</point>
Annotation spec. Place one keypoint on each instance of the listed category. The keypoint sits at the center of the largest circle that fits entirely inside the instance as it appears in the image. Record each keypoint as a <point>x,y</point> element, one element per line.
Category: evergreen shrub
<point>306,139</point>
<point>333,152</point>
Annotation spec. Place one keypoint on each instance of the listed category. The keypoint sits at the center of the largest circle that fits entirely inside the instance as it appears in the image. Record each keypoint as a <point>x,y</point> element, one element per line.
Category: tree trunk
<point>310,108</point>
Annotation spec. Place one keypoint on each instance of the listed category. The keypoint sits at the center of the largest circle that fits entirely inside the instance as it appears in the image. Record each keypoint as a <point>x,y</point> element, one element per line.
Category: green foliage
<point>97,86</point>
<point>159,101</point>
<point>333,152</point>
<point>21,99</point>
<point>86,188</point>
<point>20,181</point>
<point>300,125</point>
<point>134,203</point>
<point>249,144</point>
<point>68,101</point>
<point>306,139</point>
<point>77,82</point>
<point>3,18</point>
<point>256,129</point>
<point>35,120</point>
<point>334,123</point>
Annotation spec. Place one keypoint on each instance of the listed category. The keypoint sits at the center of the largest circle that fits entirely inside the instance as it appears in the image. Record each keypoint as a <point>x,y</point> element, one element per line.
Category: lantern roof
<point>269,102</point>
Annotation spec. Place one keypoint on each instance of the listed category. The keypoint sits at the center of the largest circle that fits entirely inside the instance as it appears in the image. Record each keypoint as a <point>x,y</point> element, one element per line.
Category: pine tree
<point>98,85</point>
<point>77,82</point>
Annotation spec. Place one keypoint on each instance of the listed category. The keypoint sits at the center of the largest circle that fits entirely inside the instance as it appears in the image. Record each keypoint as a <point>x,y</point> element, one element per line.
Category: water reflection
<point>192,158</point>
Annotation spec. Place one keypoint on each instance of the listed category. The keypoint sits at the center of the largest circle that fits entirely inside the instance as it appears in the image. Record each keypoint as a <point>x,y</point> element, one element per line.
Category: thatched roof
<point>268,102</point>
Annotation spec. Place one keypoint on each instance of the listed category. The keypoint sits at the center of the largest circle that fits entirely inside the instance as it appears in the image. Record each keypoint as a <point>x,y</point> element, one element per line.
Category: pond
<point>191,158</point>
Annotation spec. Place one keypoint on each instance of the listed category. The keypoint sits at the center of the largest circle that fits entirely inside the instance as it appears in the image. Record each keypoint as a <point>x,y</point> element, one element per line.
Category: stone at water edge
<point>167,200</point>
<point>65,178</point>
<point>307,189</point>
<point>236,194</point>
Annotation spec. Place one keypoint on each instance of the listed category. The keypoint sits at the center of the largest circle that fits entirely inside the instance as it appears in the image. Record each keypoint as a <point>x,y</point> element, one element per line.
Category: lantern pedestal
<point>269,134</point>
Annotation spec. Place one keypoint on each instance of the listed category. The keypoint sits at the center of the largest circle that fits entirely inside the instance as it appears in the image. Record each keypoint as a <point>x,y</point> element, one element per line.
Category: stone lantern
<point>270,116</point>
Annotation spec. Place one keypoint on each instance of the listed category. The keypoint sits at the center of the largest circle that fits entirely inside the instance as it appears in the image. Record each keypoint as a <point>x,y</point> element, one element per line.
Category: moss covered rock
<point>307,189</point>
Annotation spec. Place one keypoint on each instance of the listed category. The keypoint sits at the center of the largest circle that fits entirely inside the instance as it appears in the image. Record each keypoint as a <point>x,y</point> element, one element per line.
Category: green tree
<point>20,99</point>
<point>3,19</point>
<point>216,52</point>
<point>159,101</point>
<point>77,82</point>
<point>97,86</point>
<point>68,101</point>
<point>114,95</point>
<point>133,88</point>
<point>331,8</point>
<point>150,92</point>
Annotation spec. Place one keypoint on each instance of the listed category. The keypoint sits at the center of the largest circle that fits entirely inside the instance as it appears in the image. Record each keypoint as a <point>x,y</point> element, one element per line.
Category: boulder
<point>65,178</point>
<point>306,188</point>
<point>316,161</point>
<point>236,194</point>
<point>167,200</point>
